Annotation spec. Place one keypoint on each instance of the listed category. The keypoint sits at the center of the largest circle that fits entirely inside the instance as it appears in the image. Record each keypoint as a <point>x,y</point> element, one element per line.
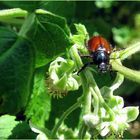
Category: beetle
<point>100,50</point>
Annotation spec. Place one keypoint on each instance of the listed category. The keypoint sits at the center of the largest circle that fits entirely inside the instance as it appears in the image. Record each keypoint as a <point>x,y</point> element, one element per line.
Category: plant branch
<point>130,51</point>
<point>95,102</point>
<point>93,84</point>
<point>128,73</point>
<point>13,13</point>
<point>82,131</point>
<point>87,95</point>
<point>13,16</point>
<point>27,25</point>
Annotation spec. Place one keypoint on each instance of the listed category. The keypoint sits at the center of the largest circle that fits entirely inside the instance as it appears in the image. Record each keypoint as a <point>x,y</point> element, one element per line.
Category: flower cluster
<point>61,77</point>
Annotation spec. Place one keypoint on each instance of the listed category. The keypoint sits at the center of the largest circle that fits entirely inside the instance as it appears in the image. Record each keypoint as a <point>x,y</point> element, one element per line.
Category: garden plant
<point>42,95</point>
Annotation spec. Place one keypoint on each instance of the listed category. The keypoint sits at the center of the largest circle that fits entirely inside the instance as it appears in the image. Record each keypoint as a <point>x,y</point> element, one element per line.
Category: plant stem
<point>86,104</point>
<point>89,85</point>
<point>28,23</point>
<point>44,130</point>
<point>93,84</point>
<point>87,95</point>
<point>128,73</point>
<point>64,115</point>
<point>13,16</point>
<point>12,21</point>
<point>12,13</point>
<point>129,51</point>
<point>95,101</point>
<point>82,131</point>
<point>117,82</point>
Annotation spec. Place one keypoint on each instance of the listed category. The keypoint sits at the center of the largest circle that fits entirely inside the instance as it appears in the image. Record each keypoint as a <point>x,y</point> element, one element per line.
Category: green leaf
<point>82,35</point>
<point>27,5</point>
<point>80,38</point>
<point>81,29</point>
<point>11,129</point>
<point>7,123</point>
<point>131,112</point>
<point>116,102</point>
<point>40,103</point>
<point>7,38</point>
<point>16,71</point>
<point>45,16</point>
<point>51,41</point>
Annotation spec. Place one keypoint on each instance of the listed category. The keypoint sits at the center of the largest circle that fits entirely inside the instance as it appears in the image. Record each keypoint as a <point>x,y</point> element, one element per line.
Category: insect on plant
<point>100,50</point>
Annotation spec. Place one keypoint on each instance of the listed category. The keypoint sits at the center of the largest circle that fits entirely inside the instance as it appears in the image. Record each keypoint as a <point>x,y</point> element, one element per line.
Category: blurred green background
<point>119,23</point>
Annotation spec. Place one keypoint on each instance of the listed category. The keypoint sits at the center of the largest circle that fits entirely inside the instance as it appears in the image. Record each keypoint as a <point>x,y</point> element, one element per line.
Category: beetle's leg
<point>85,65</point>
<point>87,56</point>
<point>117,49</point>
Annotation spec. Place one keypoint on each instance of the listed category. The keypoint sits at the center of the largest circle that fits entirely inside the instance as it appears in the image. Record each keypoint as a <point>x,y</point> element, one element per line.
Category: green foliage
<point>45,16</point>
<point>46,39</point>
<point>40,43</point>
<point>121,35</point>
<point>16,67</point>
<point>11,129</point>
<point>48,31</point>
<point>4,34</point>
<point>40,103</point>
<point>5,130</point>
<point>63,82</point>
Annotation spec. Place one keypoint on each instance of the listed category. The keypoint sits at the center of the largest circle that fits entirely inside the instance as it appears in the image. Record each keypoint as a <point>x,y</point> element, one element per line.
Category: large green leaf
<point>45,16</point>
<point>51,41</point>
<point>10,128</point>
<point>16,71</point>
<point>40,103</point>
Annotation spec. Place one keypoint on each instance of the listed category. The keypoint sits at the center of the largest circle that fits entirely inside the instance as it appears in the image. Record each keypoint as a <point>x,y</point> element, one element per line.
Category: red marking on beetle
<point>97,41</point>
